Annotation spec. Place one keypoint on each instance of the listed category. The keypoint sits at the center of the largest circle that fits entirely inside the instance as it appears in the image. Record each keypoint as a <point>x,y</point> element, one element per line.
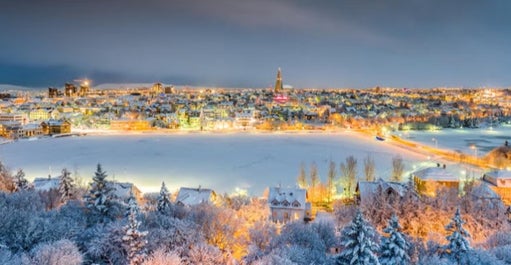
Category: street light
<point>474,147</point>
<point>436,142</point>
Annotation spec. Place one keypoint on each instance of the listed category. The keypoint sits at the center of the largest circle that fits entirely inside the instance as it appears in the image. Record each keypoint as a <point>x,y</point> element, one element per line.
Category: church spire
<point>278,82</point>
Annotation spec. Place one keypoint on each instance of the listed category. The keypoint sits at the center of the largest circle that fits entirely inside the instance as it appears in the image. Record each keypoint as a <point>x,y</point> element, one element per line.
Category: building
<point>130,125</point>
<point>368,191</point>
<point>14,117</point>
<point>46,184</point>
<point>278,83</point>
<point>70,90</point>
<point>427,181</point>
<point>123,190</point>
<point>55,127</point>
<point>39,114</point>
<point>289,204</point>
<point>500,182</point>
<point>195,196</point>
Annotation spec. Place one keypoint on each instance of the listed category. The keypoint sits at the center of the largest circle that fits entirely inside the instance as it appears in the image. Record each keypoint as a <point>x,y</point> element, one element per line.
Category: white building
<point>195,196</point>
<point>289,204</point>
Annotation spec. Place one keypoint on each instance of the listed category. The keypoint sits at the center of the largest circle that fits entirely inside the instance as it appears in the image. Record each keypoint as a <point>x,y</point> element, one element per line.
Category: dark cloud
<point>231,42</point>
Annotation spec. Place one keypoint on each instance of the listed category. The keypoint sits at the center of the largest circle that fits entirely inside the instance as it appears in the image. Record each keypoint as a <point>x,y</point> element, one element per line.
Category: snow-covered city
<point>269,132</point>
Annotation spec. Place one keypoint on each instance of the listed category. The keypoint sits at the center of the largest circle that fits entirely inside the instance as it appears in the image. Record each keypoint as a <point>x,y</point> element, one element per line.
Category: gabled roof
<point>435,174</point>
<point>499,174</point>
<point>46,184</point>
<point>194,196</point>
<point>369,189</point>
<point>289,195</point>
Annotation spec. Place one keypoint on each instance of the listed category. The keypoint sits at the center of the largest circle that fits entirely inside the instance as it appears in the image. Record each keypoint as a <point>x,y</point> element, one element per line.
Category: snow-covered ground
<point>485,139</point>
<point>224,162</point>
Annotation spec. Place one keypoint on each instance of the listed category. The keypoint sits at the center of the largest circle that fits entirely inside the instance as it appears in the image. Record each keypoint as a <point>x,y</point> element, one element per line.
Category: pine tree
<point>20,182</point>
<point>458,245</point>
<point>99,199</point>
<point>134,240</point>
<point>314,182</point>
<point>358,240</point>
<point>66,186</point>
<point>394,247</point>
<point>163,199</point>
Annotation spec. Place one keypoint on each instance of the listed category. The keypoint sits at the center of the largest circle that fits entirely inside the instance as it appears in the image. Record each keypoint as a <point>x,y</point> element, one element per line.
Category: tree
<point>331,179</point>
<point>163,199</point>
<point>458,245</point>
<point>358,240</point>
<point>62,252</point>
<point>20,182</point>
<point>99,199</point>
<point>134,240</point>
<point>66,185</point>
<point>397,169</point>
<point>302,177</point>
<point>314,181</point>
<point>6,181</point>
<point>394,247</point>
<point>349,174</point>
<point>369,171</point>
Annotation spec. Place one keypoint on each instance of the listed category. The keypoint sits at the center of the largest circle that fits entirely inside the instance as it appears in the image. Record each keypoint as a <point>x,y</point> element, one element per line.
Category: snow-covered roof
<point>194,196</point>
<point>123,190</point>
<point>435,174</point>
<point>46,184</point>
<point>499,178</point>
<point>499,174</point>
<point>277,197</point>
<point>483,191</point>
<point>368,189</point>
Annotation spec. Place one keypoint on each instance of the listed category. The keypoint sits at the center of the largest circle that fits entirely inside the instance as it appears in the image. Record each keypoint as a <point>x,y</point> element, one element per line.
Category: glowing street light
<point>474,147</point>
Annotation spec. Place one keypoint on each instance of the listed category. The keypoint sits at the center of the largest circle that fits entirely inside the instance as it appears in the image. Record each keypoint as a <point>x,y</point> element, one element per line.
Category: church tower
<point>278,83</point>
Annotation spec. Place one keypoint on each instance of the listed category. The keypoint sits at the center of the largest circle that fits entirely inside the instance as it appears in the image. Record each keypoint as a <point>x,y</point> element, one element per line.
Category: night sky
<point>239,43</point>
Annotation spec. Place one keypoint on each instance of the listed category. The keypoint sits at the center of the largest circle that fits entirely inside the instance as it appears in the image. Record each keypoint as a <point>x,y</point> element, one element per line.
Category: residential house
<point>427,181</point>
<point>289,204</point>
<point>55,127</point>
<point>195,196</point>
<point>367,191</point>
<point>500,182</point>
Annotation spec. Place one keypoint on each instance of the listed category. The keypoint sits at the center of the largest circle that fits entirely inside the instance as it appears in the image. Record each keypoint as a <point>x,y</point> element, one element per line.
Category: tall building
<point>278,82</point>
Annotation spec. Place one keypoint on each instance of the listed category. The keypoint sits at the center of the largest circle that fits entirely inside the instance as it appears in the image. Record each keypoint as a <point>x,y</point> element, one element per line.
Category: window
<point>285,203</point>
<point>286,216</point>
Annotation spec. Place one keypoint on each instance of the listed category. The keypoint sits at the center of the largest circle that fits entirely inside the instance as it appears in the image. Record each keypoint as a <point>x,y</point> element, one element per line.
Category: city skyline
<point>241,44</point>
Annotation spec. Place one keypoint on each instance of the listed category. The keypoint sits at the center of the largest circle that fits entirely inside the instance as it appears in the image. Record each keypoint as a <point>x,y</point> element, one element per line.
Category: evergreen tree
<point>99,199</point>
<point>394,248</point>
<point>358,240</point>
<point>20,182</point>
<point>458,245</point>
<point>134,240</point>
<point>66,186</point>
<point>314,175</point>
<point>163,199</point>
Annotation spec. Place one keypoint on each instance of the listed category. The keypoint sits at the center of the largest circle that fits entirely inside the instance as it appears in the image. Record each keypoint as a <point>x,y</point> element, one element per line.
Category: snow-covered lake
<point>484,139</point>
<point>223,162</point>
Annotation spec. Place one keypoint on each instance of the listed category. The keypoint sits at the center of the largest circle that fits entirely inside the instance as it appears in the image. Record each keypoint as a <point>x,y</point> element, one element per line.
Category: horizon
<point>229,43</point>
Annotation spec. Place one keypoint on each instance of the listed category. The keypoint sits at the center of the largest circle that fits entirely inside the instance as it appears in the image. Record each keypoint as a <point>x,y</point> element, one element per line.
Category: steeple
<point>278,82</point>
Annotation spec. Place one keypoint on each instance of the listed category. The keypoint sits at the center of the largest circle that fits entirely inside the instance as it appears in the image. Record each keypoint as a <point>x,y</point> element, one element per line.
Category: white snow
<point>222,162</point>
<point>485,139</point>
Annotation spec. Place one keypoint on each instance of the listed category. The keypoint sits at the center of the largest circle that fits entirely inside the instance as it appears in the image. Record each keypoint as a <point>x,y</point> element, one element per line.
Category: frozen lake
<point>223,162</point>
<point>461,139</point>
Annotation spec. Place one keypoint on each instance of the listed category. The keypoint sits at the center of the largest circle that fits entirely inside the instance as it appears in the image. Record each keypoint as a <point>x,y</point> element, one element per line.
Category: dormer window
<point>275,202</point>
<point>285,203</point>
<point>296,204</point>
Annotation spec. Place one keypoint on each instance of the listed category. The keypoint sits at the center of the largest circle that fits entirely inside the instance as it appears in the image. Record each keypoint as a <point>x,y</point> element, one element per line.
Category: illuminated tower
<point>278,82</point>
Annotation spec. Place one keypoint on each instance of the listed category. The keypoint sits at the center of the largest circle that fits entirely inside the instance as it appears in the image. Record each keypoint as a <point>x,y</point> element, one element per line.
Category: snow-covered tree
<point>66,185</point>
<point>163,199</point>
<point>458,245</point>
<point>134,240</point>
<point>302,177</point>
<point>163,257</point>
<point>20,182</point>
<point>359,242</point>
<point>100,196</point>
<point>62,252</point>
<point>394,247</point>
